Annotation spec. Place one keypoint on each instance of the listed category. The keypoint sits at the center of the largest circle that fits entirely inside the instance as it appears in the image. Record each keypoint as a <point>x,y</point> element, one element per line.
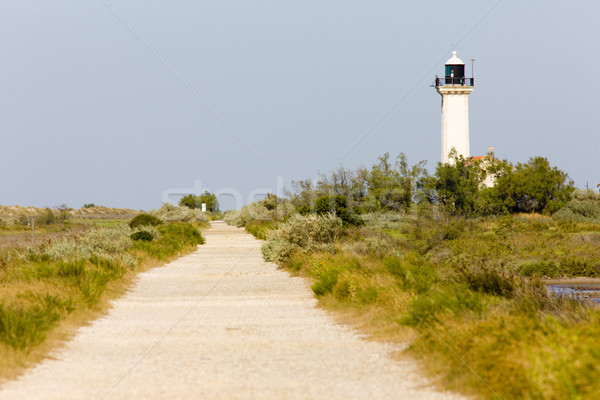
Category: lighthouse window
<point>455,74</point>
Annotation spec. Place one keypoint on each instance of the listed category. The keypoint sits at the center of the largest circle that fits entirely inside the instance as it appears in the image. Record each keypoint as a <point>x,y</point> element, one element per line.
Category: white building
<point>455,89</point>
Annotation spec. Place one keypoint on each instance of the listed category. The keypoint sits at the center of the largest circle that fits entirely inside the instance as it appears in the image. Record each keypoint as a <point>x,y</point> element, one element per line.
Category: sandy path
<point>220,323</point>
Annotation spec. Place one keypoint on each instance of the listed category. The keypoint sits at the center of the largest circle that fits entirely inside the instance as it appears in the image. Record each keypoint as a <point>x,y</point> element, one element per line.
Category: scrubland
<point>66,275</point>
<point>466,294</point>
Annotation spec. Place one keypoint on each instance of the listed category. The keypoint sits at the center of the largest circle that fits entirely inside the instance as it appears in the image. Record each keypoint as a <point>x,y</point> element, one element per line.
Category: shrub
<point>46,218</point>
<point>264,210</point>
<point>23,219</point>
<point>584,206</point>
<point>337,205</point>
<point>568,266</point>
<point>144,220</point>
<point>300,233</point>
<point>142,235</point>
<point>89,205</point>
<point>103,241</point>
<point>386,220</point>
<point>170,213</point>
<point>271,201</point>
<point>540,269</point>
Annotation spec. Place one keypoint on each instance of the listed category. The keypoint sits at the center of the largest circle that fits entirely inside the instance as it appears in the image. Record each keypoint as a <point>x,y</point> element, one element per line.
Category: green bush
<point>144,220</point>
<point>337,205</point>
<point>173,238</point>
<point>144,236</point>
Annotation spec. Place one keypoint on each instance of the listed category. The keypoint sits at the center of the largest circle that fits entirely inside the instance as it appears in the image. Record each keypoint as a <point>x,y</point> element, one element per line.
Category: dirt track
<point>220,323</point>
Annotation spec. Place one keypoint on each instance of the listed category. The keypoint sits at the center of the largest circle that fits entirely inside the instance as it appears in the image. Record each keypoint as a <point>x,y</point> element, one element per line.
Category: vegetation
<point>45,288</point>
<point>47,216</point>
<point>144,220</point>
<point>453,265</point>
<point>338,206</point>
<point>460,188</point>
<point>465,291</point>
<point>584,206</point>
<point>192,201</point>
<point>142,235</point>
<point>302,234</point>
<point>532,187</point>
<point>264,213</point>
<point>171,213</point>
<point>387,186</point>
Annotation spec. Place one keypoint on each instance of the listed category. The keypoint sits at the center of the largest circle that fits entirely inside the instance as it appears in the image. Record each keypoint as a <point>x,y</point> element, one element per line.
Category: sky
<point>127,103</point>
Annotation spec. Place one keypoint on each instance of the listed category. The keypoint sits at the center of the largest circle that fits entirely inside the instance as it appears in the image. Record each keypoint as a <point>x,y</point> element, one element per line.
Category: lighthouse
<point>455,89</point>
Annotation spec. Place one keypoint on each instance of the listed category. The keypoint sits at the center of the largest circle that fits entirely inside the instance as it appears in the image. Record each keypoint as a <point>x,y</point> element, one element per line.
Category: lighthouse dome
<point>454,60</point>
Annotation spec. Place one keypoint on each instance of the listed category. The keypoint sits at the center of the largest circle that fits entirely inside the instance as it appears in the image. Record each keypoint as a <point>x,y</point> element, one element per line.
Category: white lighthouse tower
<point>455,90</point>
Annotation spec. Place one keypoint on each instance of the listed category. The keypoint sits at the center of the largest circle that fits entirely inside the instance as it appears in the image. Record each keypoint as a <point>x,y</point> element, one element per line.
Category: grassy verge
<point>466,294</point>
<point>48,290</point>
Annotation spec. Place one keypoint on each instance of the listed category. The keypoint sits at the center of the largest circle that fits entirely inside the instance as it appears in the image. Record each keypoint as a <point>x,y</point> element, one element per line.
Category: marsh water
<point>588,292</point>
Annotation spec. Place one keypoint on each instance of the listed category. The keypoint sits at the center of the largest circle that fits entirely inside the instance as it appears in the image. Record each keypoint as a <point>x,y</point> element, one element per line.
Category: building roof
<point>454,60</point>
<point>485,159</point>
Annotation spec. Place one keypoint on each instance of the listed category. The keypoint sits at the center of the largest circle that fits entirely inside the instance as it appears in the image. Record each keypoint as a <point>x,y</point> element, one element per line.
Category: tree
<point>393,186</point>
<point>534,186</point>
<point>409,178</point>
<point>457,185</point>
<point>338,182</point>
<point>192,201</point>
<point>303,195</point>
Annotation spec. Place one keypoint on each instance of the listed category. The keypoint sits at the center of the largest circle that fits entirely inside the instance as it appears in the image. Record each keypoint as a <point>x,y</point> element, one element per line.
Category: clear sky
<point>116,102</point>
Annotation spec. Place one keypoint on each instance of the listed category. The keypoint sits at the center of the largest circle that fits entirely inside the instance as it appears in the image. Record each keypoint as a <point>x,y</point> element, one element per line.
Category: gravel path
<point>220,324</point>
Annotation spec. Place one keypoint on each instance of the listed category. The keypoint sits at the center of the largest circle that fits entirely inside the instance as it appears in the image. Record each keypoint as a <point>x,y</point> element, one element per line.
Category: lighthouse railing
<point>448,81</point>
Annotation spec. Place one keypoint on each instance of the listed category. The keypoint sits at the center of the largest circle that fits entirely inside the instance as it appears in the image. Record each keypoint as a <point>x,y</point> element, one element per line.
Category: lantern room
<point>454,73</point>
